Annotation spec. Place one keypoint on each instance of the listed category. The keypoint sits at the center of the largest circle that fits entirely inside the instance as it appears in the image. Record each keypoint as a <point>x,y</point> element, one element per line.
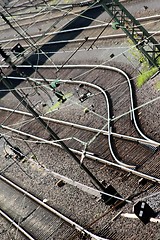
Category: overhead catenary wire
<point>29,40</point>
<point>112,151</point>
<point>54,135</point>
<point>142,105</point>
<point>11,113</point>
<point>109,127</point>
<point>14,20</point>
<point>138,107</point>
<point>16,225</point>
<point>129,111</point>
<point>108,121</point>
<point>129,170</point>
<point>107,61</point>
<point>53,210</point>
<point>46,86</point>
<point>83,187</point>
<point>63,145</point>
<point>79,185</point>
<point>116,56</point>
<point>83,16</point>
<point>29,121</point>
<point>130,138</point>
<point>43,33</point>
<point>68,30</point>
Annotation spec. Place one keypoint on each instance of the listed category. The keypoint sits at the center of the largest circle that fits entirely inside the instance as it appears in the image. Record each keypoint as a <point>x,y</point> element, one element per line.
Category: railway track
<point>41,15</point>
<point>59,13</point>
<point>131,94</point>
<point>97,155</point>
<point>89,155</point>
<point>63,25</point>
<point>89,30</point>
<point>34,218</point>
<point>153,181</point>
<point>146,141</point>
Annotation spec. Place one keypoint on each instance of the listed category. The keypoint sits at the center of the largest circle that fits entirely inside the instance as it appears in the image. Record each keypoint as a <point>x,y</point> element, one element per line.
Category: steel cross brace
<point>144,42</point>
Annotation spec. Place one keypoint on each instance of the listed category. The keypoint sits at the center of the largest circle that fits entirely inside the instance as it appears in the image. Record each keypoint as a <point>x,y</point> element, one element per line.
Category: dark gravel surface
<point>77,205</point>
<point>80,206</point>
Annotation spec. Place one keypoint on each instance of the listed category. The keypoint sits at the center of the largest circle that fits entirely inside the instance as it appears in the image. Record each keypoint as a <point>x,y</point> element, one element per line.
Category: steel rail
<point>16,225</point>
<point>42,13</point>
<point>154,17</point>
<point>141,19</point>
<point>108,68</point>
<point>61,7</point>
<point>133,216</point>
<point>114,36</point>
<point>54,211</point>
<point>83,127</point>
<point>108,115</point>
<point>90,190</point>
<point>89,156</point>
<point>131,99</point>
<point>108,108</point>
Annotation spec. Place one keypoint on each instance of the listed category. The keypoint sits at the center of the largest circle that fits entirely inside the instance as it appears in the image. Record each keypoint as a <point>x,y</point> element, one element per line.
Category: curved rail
<point>108,106</point>
<point>52,210</point>
<point>131,97</point>
<point>108,115</point>
<point>114,69</point>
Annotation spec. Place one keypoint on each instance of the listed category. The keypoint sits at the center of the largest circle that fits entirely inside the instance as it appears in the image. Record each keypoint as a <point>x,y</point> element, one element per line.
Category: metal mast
<point>144,41</point>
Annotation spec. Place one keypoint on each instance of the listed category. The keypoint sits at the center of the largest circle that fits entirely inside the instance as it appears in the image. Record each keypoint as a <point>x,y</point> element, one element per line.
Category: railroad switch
<point>144,212</point>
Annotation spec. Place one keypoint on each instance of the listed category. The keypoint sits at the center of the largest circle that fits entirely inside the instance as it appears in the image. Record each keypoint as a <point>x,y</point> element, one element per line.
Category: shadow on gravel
<point>80,21</point>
